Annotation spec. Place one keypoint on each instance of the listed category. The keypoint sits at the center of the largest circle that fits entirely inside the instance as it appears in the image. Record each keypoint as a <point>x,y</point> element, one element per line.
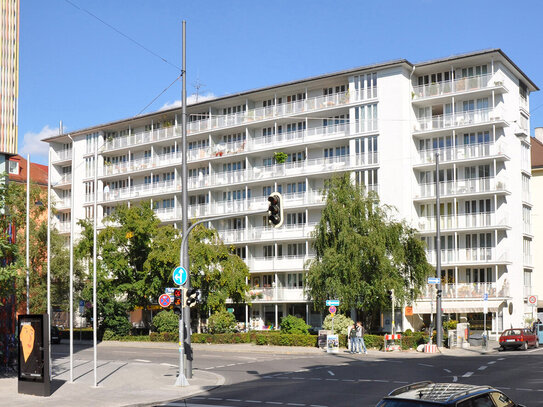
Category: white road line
<point>455,379</point>
<point>491,362</point>
<point>501,358</point>
<point>482,368</point>
<point>523,389</point>
<point>214,398</point>
<point>424,364</point>
<point>295,404</point>
<point>348,380</point>
<point>467,374</point>
<point>381,381</point>
<point>253,401</point>
<point>332,380</point>
<point>142,360</point>
<point>274,402</point>
<point>316,405</point>
<point>168,364</point>
<point>400,382</point>
<point>231,364</point>
<point>207,368</point>
<point>315,378</point>
<point>331,373</point>
<point>447,370</point>
<point>232,399</point>
<point>504,388</point>
<point>217,367</point>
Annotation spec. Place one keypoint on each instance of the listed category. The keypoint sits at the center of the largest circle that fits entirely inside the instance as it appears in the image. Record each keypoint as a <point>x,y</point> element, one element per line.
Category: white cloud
<point>32,143</point>
<point>190,101</point>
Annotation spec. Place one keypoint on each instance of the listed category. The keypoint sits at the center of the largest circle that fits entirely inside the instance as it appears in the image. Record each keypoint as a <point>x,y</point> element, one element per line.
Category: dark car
<point>518,338</point>
<point>426,394</point>
<point>55,335</point>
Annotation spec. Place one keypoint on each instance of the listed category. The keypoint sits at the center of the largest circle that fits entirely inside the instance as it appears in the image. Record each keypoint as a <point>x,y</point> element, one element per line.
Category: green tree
<point>166,321</point>
<point>361,252</point>
<point>222,322</point>
<point>294,325</point>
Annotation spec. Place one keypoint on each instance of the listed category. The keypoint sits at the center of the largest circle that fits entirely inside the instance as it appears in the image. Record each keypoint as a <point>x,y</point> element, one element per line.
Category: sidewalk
<point>119,384</point>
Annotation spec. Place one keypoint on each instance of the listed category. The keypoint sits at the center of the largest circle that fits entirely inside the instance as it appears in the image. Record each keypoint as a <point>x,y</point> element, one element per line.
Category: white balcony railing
<point>277,263</point>
<point>459,119</point>
<point>142,138</point>
<point>277,294</point>
<point>466,291</point>
<point>140,190</point>
<point>298,231</point>
<point>64,227</point>
<point>464,221</point>
<point>64,203</point>
<point>62,155</point>
<point>64,179</point>
<point>461,152</point>
<point>462,186</point>
<point>457,85</point>
<point>476,255</point>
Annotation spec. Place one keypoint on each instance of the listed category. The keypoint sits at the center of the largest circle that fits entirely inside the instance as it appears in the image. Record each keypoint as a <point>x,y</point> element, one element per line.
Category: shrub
<point>166,321</point>
<point>120,325</point>
<point>408,332</point>
<point>450,324</point>
<point>222,322</point>
<point>109,335</point>
<point>293,325</point>
<point>341,323</point>
<point>164,337</point>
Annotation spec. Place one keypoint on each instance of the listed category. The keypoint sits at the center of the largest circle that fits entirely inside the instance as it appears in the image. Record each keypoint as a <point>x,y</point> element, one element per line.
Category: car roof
<point>437,392</point>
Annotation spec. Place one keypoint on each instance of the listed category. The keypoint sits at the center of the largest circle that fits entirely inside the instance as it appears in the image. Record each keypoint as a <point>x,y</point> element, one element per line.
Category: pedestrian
<point>352,338</point>
<point>360,338</point>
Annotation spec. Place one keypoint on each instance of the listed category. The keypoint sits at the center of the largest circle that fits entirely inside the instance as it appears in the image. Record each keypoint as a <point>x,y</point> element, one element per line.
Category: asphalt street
<point>322,380</point>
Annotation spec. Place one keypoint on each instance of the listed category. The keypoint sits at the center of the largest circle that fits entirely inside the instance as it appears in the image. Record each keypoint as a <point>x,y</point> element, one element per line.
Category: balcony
<point>462,187</point>
<point>137,139</point>
<point>277,294</point>
<point>464,221</point>
<point>480,255</point>
<point>168,214</point>
<point>268,113</point>
<point>64,227</point>
<point>459,119</point>
<point>63,204</point>
<point>291,263</point>
<point>141,190</point>
<point>140,164</point>
<point>466,291</point>
<point>461,152</point>
<point>260,233</point>
<point>65,179</point>
<point>435,90</point>
<point>62,155</point>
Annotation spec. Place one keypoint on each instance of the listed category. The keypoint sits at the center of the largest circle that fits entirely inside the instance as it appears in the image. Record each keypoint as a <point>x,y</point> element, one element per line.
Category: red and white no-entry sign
<point>164,300</point>
<point>332,309</point>
<point>532,300</point>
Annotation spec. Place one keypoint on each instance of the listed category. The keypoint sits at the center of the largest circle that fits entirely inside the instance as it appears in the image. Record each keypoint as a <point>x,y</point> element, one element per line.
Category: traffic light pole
<point>181,378</point>
<point>439,312</point>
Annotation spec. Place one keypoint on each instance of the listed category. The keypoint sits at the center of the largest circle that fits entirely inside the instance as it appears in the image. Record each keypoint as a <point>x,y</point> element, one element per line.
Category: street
<point>318,380</point>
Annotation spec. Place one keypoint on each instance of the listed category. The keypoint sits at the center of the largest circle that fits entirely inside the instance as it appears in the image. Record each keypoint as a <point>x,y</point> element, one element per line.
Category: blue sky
<point>75,69</point>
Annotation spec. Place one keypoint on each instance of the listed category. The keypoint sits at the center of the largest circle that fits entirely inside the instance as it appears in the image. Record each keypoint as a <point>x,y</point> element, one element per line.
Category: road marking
<point>501,358</point>
<point>331,373</point>
<point>424,364</point>
<point>400,382</point>
<point>348,380</point>
<point>142,360</point>
<point>504,388</point>
<point>455,379</point>
<point>207,368</point>
<point>534,350</point>
<point>491,362</point>
<point>467,374</point>
<point>168,364</point>
<point>274,402</point>
<point>482,368</point>
<point>214,398</point>
<point>253,401</point>
<point>523,389</point>
<point>217,367</point>
<point>332,380</point>
<point>447,370</point>
<point>295,404</point>
<point>232,399</point>
<point>381,381</point>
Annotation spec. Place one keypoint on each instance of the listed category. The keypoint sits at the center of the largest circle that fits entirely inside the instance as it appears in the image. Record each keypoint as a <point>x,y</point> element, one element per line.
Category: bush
<point>294,325</point>
<point>164,337</point>
<point>222,322</point>
<point>408,332</point>
<point>166,321</point>
<point>341,323</point>
<point>120,325</point>
<point>109,335</point>
<point>450,324</point>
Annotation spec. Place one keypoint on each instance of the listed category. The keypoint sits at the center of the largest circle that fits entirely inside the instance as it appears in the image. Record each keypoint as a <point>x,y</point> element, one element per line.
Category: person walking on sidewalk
<point>360,338</point>
<point>352,338</point>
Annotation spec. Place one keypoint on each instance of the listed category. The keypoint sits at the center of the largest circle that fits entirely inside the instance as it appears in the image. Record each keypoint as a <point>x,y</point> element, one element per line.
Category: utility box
<point>33,344</point>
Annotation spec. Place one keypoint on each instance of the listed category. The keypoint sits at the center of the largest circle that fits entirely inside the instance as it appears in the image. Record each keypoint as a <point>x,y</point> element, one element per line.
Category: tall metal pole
<point>27,233</point>
<point>94,255</point>
<point>439,319</point>
<point>186,310</point>
<point>49,314</point>
<point>72,206</point>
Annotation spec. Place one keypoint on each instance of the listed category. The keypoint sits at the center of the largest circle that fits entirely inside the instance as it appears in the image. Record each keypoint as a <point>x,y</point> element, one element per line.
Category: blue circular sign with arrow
<point>180,275</point>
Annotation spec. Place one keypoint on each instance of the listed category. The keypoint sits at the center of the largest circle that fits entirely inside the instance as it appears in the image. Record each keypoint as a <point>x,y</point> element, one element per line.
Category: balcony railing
<point>459,119</point>
<point>62,155</point>
<point>64,227</point>
<point>263,113</point>
<point>298,231</point>
<point>143,163</point>
<point>64,180</point>
<point>464,221</point>
<point>64,203</point>
<point>277,294</point>
<point>142,138</point>
<point>166,214</point>
<point>466,291</point>
<point>141,190</point>
<point>476,255</point>
<point>461,152</point>
<point>457,85</point>
<point>463,186</point>
<point>277,263</point>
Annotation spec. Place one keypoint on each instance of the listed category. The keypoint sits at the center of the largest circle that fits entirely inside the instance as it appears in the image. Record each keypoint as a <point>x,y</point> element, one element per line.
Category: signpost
<point>485,310</point>
<point>330,303</point>
<point>180,275</point>
<point>332,341</point>
<point>532,300</point>
<point>434,280</point>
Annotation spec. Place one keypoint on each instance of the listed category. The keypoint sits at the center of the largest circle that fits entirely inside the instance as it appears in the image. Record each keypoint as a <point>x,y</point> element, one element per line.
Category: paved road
<point>319,380</point>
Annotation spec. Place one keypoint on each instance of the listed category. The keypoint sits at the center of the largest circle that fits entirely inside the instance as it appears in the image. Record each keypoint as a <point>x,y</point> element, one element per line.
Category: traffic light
<point>390,295</point>
<point>275,210</point>
<point>192,297</point>
<point>178,301</point>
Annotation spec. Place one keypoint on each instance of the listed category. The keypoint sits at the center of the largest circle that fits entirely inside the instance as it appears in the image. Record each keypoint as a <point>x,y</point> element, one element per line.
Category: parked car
<point>426,394</point>
<point>55,335</point>
<point>518,338</point>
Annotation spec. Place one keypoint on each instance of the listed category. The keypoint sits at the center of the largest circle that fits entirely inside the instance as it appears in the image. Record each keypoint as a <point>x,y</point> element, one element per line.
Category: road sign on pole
<point>332,309</point>
<point>180,275</point>
<point>164,300</point>
<point>330,303</point>
<point>532,300</point>
<point>434,280</point>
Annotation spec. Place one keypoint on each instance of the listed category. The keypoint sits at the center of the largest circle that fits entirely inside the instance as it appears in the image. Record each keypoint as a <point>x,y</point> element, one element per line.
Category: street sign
<point>532,300</point>
<point>332,303</point>
<point>81,306</point>
<point>230,310</point>
<point>180,276</point>
<point>164,300</point>
<point>332,309</point>
<point>485,297</point>
<point>169,291</point>
<point>434,280</point>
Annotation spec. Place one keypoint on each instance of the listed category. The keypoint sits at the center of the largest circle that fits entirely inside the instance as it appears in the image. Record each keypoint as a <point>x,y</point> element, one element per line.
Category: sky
<point>82,71</point>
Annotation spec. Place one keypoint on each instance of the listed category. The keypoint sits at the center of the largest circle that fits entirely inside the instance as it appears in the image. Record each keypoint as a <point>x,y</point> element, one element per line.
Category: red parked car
<point>518,338</point>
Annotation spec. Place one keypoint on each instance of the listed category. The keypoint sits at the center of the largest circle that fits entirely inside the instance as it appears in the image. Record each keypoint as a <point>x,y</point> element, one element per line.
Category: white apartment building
<point>384,123</point>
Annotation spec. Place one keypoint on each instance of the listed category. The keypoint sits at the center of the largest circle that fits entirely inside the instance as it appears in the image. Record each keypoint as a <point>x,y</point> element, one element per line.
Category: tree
<point>294,325</point>
<point>222,322</point>
<point>361,252</point>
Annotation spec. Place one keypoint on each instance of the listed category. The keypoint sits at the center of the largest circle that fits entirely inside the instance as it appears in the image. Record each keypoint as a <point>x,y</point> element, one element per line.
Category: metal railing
<point>475,255</point>
<point>462,186</point>
<point>456,85</point>
<point>463,221</point>
<point>461,152</point>
<point>458,119</point>
<point>467,290</point>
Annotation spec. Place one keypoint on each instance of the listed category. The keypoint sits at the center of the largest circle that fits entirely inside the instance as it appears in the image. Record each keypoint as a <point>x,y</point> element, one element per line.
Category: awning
<point>456,307</point>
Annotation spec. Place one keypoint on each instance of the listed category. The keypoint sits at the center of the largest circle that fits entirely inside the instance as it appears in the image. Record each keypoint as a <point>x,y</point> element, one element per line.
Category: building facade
<point>383,123</point>
<point>537,216</point>
<point>9,76</point>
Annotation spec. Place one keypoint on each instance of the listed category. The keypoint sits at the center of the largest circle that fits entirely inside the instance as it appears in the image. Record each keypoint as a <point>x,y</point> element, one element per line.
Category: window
<point>478,401</point>
<point>527,218</point>
<point>296,249</point>
<point>335,120</point>
<point>13,167</point>
<point>294,127</point>
<point>295,280</point>
<point>365,85</point>
<point>234,109</point>
<point>240,251</point>
<point>365,118</point>
<point>296,157</point>
<point>91,142</point>
<point>527,278</point>
<point>269,251</point>
<point>296,218</point>
<point>235,166</point>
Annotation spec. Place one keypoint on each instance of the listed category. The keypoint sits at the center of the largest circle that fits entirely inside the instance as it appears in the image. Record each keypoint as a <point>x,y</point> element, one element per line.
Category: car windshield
<point>405,403</point>
<point>510,332</point>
